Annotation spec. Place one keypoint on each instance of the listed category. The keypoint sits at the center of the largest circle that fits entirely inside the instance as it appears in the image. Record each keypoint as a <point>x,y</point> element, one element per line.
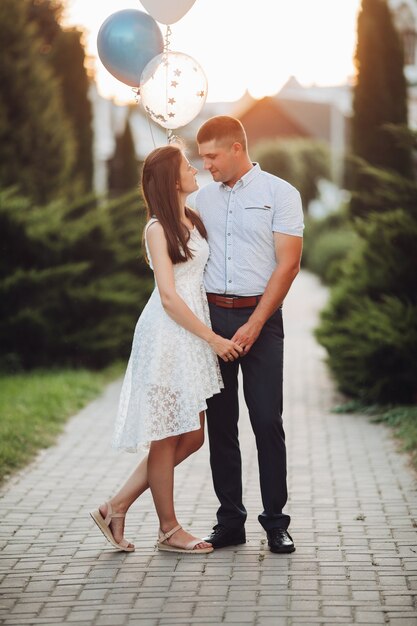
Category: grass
<point>403,420</point>
<point>35,406</point>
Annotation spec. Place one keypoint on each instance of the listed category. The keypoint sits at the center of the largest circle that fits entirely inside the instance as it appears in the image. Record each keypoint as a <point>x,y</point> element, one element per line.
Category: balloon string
<point>150,128</point>
<point>168,33</point>
<point>166,63</point>
<point>169,132</point>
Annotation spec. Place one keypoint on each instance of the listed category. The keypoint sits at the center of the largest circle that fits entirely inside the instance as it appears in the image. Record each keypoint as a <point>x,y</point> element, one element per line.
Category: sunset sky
<point>243,44</point>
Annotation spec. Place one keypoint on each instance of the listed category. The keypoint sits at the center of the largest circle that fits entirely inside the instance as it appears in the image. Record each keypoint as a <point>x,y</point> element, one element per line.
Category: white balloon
<point>167,11</point>
<point>173,89</point>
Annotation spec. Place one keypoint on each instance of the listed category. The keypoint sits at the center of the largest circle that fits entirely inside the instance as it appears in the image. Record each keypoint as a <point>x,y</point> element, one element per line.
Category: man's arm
<point>288,249</point>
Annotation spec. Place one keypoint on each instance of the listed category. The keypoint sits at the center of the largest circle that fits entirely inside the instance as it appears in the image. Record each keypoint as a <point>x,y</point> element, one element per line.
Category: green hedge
<point>369,327</point>
<point>327,243</point>
<point>302,162</point>
<point>72,280</point>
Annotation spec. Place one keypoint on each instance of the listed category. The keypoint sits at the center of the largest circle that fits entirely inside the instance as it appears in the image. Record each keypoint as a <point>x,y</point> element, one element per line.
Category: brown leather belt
<point>233,302</point>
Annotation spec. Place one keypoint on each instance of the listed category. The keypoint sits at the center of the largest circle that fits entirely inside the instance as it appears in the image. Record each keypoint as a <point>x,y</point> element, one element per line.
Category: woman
<point>173,366</point>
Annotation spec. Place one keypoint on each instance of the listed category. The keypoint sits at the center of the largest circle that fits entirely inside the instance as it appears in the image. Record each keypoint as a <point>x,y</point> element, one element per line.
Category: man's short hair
<point>223,129</point>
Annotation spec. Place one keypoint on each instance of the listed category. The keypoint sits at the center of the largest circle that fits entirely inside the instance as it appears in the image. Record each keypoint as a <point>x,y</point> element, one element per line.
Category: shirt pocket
<point>257,217</point>
<point>257,208</point>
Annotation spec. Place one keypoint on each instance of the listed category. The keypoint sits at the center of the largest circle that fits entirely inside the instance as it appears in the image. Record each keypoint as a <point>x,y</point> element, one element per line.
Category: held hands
<point>246,335</point>
<point>226,349</point>
<point>239,344</point>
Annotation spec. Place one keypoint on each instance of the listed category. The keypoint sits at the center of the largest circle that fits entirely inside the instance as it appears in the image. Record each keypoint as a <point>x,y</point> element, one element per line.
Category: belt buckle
<point>229,301</point>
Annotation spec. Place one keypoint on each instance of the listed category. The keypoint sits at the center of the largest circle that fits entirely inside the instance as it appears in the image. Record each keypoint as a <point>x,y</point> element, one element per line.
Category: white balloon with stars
<point>173,89</point>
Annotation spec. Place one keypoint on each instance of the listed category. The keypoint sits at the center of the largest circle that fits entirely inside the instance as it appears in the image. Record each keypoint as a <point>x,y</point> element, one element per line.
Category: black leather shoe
<point>223,536</point>
<point>280,541</point>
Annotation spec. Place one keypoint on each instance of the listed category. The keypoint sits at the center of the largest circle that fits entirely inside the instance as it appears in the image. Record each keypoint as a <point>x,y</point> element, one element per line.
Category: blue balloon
<point>126,42</point>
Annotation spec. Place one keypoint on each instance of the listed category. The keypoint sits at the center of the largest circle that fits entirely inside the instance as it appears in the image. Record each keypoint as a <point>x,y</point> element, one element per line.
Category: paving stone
<point>93,594</point>
<point>44,586</point>
<point>204,610</point>
<point>406,602</point>
<point>368,617</point>
<point>82,616</point>
<point>304,584</point>
<point>272,621</point>
<point>66,591</point>
<point>219,591</point>
<point>30,607</point>
<point>149,605</point>
<point>337,611</point>
<point>305,605</point>
<point>111,620</point>
<point>54,612</point>
<point>125,599</point>
<point>137,621</point>
<point>367,595</point>
<point>336,592</point>
<point>239,617</point>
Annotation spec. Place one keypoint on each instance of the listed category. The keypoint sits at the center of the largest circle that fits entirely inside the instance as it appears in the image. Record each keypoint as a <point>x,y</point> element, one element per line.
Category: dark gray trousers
<point>262,386</point>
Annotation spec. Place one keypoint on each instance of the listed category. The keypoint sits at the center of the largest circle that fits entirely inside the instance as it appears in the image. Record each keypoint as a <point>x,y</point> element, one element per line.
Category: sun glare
<point>252,46</point>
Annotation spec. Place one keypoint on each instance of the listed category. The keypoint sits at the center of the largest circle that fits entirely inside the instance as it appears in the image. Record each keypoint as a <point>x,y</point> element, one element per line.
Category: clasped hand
<point>226,349</point>
<point>239,344</point>
<point>246,335</point>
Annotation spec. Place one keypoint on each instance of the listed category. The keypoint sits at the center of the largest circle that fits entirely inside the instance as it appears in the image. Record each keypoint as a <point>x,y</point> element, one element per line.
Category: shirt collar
<point>246,178</point>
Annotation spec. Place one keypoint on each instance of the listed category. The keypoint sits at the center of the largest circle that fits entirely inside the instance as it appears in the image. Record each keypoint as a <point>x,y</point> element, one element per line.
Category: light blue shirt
<point>240,223</point>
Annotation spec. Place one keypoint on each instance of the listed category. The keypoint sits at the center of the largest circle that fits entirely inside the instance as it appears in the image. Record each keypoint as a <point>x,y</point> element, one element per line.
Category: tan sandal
<point>188,549</point>
<point>104,525</point>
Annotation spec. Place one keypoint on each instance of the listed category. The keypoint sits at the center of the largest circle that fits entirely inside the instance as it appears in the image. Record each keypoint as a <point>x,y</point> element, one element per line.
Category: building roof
<point>337,95</point>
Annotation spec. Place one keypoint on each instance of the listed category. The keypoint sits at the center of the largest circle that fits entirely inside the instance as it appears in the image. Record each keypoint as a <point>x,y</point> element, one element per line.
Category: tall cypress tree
<point>47,15</point>
<point>36,142</point>
<point>68,58</point>
<point>123,167</point>
<point>380,94</point>
<point>64,50</point>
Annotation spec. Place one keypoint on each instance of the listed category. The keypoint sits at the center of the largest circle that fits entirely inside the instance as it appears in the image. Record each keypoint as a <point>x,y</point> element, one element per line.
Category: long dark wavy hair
<point>160,176</point>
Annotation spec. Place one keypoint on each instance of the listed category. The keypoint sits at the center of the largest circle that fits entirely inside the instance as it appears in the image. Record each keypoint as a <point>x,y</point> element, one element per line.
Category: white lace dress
<point>171,371</point>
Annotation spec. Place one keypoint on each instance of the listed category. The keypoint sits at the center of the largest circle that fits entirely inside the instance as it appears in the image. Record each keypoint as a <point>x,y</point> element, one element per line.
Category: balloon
<point>167,11</point>
<point>126,42</point>
<point>173,89</point>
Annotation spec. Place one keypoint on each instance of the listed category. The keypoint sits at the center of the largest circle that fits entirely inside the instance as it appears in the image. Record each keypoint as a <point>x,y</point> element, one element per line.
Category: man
<point>254,222</point>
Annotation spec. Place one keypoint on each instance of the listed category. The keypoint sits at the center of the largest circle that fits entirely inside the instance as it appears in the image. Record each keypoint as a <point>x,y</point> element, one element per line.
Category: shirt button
<point>228,234</point>
<point>229,281</point>
<point>229,258</point>
<point>230,211</point>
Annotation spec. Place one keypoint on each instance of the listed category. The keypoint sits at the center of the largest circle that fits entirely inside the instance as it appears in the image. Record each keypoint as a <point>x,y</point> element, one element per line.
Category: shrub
<point>302,162</point>
<point>369,327</point>
<point>327,243</point>
<point>72,281</point>
<point>329,251</point>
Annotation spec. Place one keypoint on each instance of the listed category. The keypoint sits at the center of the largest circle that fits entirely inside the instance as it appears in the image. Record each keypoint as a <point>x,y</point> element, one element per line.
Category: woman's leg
<point>137,482</point>
<point>160,474</point>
